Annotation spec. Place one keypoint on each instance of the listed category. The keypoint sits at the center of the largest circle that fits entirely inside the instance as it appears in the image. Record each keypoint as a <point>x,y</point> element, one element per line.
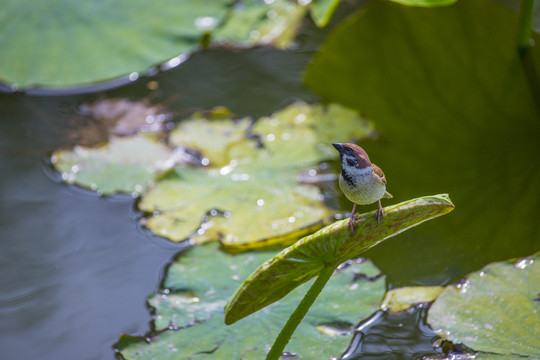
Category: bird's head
<point>352,155</point>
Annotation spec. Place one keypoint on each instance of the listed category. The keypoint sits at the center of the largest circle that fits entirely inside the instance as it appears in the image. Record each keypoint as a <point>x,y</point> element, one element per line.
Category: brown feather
<point>377,171</point>
<point>360,154</point>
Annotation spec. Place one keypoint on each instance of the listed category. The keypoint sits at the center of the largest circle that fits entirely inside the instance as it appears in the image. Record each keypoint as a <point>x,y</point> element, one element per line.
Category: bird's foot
<point>352,218</point>
<point>351,223</point>
<point>380,213</point>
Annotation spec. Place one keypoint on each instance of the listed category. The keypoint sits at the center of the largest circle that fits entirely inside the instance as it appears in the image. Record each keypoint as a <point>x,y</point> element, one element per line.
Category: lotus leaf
<point>327,248</point>
<point>68,42</point>
<point>251,203</point>
<point>494,310</point>
<point>211,276</point>
<point>253,22</point>
<point>321,11</point>
<point>198,283</point>
<point>400,299</point>
<point>457,109</point>
<point>125,164</point>
<point>83,43</point>
<point>252,199</point>
<point>221,140</point>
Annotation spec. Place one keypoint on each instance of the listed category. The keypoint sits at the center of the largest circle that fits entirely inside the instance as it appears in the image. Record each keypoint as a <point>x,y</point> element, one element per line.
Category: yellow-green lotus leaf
<point>252,203</point>
<point>255,22</point>
<point>302,133</point>
<point>124,164</point>
<point>249,195</point>
<point>406,297</point>
<point>327,248</point>
<point>220,140</point>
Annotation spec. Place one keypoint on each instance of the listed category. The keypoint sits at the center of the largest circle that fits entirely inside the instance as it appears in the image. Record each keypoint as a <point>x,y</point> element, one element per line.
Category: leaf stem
<point>525,24</point>
<point>301,310</point>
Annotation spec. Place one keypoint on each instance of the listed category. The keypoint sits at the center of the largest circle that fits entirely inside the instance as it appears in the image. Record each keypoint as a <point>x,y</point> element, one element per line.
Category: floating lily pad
<point>255,22</point>
<point>125,164</point>
<point>252,199</point>
<point>302,134</point>
<point>494,310</point>
<point>97,40</point>
<point>327,247</point>
<point>221,141</point>
<point>457,110</point>
<point>100,41</point>
<point>198,283</point>
<point>211,276</point>
<point>400,299</point>
<point>258,203</point>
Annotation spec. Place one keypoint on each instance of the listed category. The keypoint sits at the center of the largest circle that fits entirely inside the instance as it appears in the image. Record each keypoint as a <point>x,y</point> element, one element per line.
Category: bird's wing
<point>377,170</point>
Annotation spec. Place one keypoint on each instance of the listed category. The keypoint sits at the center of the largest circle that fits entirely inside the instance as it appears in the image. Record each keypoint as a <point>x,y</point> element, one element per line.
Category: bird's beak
<point>338,146</point>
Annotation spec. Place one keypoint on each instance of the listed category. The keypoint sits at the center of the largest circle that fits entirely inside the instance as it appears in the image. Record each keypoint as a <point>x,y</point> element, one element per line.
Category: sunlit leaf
<point>221,141</point>
<point>69,42</point>
<point>494,310</point>
<point>454,110</point>
<point>125,164</point>
<point>352,293</point>
<point>255,22</point>
<point>321,11</point>
<point>400,299</point>
<point>302,134</point>
<point>198,283</point>
<point>102,40</point>
<point>249,196</point>
<point>257,202</point>
<point>329,246</point>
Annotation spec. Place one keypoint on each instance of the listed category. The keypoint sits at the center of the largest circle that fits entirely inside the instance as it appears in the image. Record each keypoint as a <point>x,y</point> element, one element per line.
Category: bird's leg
<point>351,219</point>
<point>380,213</point>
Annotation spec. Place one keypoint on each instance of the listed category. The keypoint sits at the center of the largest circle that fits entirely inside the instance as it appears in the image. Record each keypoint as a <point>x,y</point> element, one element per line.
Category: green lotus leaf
<point>400,299</point>
<point>69,43</point>
<point>302,134</point>
<point>251,197</point>
<point>77,44</point>
<point>254,22</point>
<point>258,204</point>
<point>198,283</point>
<point>321,11</point>
<point>125,164</point>
<point>211,276</point>
<point>456,108</point>
<point>327,247</point>
<point>221,140</point>
<point>494,310</point>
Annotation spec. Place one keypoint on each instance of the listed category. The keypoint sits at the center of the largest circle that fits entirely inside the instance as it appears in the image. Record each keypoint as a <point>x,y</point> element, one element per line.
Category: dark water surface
<point>75,267</point>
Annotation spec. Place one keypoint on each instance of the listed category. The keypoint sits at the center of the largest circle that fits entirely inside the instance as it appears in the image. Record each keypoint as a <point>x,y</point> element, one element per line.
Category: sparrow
<point>361,181</point>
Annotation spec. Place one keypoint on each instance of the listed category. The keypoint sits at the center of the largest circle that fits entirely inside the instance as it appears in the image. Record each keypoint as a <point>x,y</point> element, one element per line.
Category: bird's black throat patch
<point>348,178</point>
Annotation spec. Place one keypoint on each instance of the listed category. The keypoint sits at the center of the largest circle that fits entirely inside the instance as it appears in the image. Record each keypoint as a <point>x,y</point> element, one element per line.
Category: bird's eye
<point>351,162</point>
